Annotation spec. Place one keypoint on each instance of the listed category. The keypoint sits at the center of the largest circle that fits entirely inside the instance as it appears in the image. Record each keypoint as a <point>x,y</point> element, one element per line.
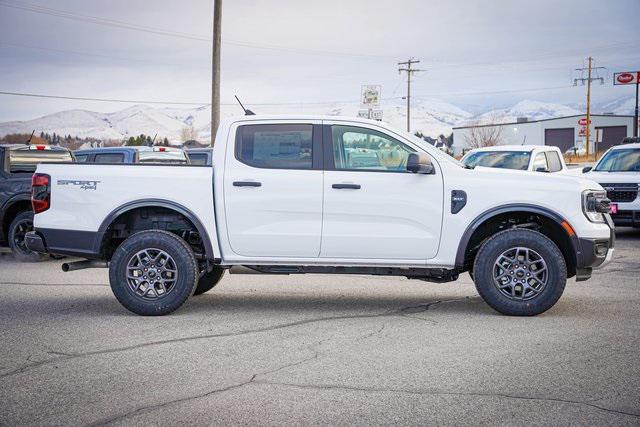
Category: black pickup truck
<point>17,165</point>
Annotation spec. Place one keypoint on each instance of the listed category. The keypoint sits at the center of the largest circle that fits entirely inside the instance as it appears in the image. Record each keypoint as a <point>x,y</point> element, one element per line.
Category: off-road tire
<point>491,250</point>
<point>185,263</point>
<point>20,252</point>
<point>209,280</point>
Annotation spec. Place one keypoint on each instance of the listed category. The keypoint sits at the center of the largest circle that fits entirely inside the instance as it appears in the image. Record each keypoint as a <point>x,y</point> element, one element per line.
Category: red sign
<point>626,78</point>
<point>583,121</point>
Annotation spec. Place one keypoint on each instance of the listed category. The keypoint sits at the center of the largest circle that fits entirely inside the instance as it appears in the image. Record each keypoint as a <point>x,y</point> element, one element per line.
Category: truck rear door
<point>273,189</point>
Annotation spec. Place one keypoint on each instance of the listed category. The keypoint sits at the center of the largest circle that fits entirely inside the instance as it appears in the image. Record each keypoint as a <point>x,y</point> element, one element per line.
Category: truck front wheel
<point>520,272</point>
<point>153,272</point>
<point>208,280</point>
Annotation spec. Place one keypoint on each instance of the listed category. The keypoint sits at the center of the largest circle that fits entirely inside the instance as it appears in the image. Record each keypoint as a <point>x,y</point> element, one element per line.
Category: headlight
<point>594,204</point>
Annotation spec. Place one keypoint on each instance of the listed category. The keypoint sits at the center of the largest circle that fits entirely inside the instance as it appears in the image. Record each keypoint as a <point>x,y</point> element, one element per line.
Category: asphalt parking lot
<point>318,350</point>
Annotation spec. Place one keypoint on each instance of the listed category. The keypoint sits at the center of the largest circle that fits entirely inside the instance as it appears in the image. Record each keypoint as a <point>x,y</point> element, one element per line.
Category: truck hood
<point>613,177</point>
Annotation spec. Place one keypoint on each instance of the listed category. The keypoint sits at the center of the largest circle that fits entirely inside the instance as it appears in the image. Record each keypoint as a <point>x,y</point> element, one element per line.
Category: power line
<point>407,69</point>
<point>305,51</point>
<point>163,32</point>
<point>192,103</point>
<point>131,101</point>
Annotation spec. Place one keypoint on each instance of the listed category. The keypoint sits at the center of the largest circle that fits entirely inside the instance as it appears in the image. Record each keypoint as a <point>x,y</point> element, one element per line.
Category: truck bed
<point>89,195</point>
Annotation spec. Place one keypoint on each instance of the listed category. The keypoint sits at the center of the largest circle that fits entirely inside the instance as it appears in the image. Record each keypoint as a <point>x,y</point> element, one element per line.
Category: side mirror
<point>542,169</point>
<point>586,169</point>
<point>420,163</point>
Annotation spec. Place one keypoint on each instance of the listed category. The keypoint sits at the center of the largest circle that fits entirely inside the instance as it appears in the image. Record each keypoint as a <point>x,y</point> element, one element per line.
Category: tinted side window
<point>109,158</point>
<point>81,158</point>
<point>276,146</point>
<point>554,161</point>
<point>540,161</point>
<point>198,158</point>
<point>357,148</point>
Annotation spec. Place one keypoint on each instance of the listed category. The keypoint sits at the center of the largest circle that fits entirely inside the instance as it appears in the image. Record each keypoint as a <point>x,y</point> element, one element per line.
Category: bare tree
<point>481,134</point>
<point>188,133</point>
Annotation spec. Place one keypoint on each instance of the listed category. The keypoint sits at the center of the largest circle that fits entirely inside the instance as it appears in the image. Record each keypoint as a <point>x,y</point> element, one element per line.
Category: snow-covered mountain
<point>431,117</point>
<point>532,110</point>
<point>623,106</point>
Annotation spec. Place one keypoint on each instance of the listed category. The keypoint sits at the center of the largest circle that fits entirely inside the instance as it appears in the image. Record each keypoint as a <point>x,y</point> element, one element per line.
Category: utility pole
<point>590,69</point>
<point>215,69</point>
<point>409,71</point>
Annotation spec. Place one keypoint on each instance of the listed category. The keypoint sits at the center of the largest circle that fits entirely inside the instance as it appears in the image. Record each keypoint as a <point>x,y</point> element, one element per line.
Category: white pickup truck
<point>618,171</point>
<point>322,195</point>
<point>532,158</point>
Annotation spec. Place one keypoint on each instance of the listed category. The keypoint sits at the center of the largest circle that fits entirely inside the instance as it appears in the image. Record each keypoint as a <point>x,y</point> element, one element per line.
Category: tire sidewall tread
<point>504,240</point>
<point>179,250</point>
<point>208,280</point>
<point>22,257</point>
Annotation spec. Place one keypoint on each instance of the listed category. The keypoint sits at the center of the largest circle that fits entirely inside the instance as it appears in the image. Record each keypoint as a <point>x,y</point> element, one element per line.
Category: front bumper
<point>594,253</point>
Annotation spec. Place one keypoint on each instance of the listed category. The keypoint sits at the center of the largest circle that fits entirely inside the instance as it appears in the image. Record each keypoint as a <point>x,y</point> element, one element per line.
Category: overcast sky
<point>477,54</point>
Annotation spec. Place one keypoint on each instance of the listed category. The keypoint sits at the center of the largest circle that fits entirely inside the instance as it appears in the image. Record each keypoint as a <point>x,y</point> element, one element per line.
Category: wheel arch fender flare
<point>168,204</point>
<point>8,205</point>
<point>499,210</point>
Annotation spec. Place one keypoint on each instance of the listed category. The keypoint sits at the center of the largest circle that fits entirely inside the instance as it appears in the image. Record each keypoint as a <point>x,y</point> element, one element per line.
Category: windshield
<point>163,157</point>
<point>627,160</point>
<point>23,160</point>
<point>498,159</point>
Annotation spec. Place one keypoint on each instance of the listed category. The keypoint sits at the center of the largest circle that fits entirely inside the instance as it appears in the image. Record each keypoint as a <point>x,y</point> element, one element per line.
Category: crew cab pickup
<point>17,165</point>
<point>618,171</point>
<point>293,195</point>
<point>533,158</point>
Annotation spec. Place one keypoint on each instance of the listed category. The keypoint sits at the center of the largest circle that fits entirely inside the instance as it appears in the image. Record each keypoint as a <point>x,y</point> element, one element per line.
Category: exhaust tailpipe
<point>81,265</point>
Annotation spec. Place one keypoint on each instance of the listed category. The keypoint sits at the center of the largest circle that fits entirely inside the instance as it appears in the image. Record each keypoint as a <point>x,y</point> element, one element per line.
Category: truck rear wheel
<point>153,272</point>
<point>21,224</point>
<point>209,280</point>
<point>520,272</point>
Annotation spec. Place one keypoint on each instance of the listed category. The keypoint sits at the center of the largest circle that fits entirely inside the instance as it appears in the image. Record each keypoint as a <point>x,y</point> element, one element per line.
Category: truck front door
<point>373,207</point>
<point>273,189</point>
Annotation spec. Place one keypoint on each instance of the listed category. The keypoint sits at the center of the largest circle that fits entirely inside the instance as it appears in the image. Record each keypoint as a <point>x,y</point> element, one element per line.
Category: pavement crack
<point>328,387</point>
<point>398,312</point>
<point>151,407</point>
<point>143,409</point>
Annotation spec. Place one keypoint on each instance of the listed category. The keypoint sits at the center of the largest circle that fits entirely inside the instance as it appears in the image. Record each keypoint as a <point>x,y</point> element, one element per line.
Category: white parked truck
<point>532,158</point>
<point>618,172</point>
<point>322,195</point>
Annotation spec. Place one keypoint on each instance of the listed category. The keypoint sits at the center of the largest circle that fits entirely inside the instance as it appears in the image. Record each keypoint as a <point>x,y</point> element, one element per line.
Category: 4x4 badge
<point>85,185</point>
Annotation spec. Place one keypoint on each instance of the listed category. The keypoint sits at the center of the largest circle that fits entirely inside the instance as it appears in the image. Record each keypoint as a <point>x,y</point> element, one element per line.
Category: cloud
<point>289,50</point>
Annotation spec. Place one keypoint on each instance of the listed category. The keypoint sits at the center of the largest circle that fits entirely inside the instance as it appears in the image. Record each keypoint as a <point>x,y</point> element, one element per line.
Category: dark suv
<point>132,154</point>
<point>17,164</point>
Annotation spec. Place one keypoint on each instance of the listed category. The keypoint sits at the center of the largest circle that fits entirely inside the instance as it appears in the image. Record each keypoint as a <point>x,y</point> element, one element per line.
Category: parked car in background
<point>533,158</point>
<point>618,171</point>
<point>132,154</point>
<point>200,156</point>
<point>299,194</point>
<point>17,165</point>
<point>575,151</point>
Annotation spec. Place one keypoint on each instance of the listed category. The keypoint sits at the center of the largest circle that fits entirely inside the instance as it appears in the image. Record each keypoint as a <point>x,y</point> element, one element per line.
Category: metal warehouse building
<point>563,132</point>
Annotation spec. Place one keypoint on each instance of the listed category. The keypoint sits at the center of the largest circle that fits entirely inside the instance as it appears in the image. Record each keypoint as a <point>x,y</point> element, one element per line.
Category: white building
<point>563,132</point>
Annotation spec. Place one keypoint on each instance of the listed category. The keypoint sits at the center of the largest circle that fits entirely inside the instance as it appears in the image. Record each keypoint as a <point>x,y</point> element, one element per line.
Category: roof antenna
<point>31,137</point>
<point>247,112</point>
